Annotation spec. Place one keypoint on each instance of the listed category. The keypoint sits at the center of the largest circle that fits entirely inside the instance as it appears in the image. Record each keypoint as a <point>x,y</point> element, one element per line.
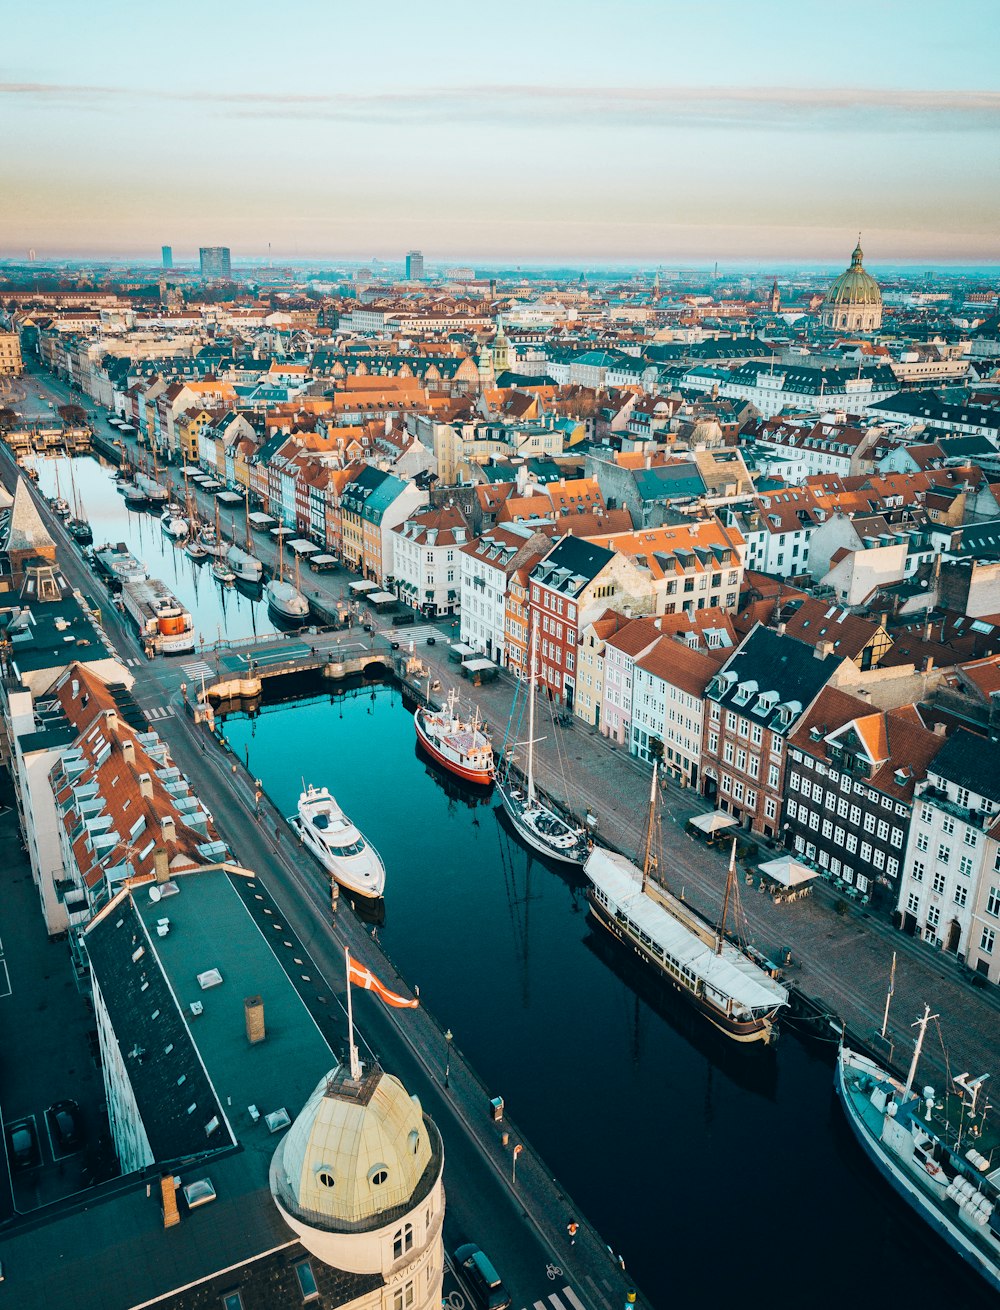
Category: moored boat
<point>195,549</point>
<point>223,573</point>
<point>247,567</point>
<point>165,626</point>
<point>939,1169</point>
<point>536,822</point>
<point>339,846</point>
<point>173,522</point>
<point>81,530</point>
<point>459,745</point>
<point>287,601</point>
<point>119,565</point>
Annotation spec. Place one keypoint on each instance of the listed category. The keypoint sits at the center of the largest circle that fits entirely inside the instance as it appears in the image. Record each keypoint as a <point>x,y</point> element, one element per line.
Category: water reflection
<point>220,612</point>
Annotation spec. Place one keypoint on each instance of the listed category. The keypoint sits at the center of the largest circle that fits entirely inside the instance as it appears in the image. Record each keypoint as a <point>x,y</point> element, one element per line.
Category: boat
<point>173,523</point>
<point>165,626</point>
<point>119,565</point>
<point>458,745</point>
<point>941,1169</point>
<point>537,823</point>
<point>223,573</point>
<point>733,990</point>
<point>195,549</point>
<point>286,601</point>
<point>346,855</point>
<point>61,507</point>
<point>151,490</point>
<point>135,497</point>
<point>247,567</point>
<point>81,530</point>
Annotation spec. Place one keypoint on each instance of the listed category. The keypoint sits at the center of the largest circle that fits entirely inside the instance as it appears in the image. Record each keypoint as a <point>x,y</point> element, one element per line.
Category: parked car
<point>67,1128</point>
<point>481,1278</point>
<point>22,1143</point>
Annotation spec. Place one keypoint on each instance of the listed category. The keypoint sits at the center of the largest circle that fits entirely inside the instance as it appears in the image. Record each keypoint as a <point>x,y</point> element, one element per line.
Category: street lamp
<point>449,1038</point>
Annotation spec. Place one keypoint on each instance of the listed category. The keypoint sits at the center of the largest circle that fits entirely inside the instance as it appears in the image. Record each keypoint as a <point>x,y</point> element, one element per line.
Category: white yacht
<point>247,567</point>
<point>338,845</point>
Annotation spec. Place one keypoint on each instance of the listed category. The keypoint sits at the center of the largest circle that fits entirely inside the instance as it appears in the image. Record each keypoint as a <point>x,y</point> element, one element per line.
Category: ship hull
<point>737,1030</point>
<point>481,777</point>
<point>905,1187</point>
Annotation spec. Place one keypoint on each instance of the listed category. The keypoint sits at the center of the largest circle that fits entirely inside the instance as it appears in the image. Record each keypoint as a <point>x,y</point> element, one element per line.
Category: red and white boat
<point>458,745</point>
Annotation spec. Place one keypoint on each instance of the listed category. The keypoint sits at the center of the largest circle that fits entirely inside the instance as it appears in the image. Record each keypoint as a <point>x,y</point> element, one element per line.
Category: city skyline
<point>471,140</point>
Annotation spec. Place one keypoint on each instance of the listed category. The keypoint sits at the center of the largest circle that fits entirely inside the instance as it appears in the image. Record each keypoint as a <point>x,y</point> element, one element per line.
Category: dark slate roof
<point>818,380</point>
<point>970,761</point>
<point>571,564</point>
<point>112,945</point>
<point>776,663</point>
<point>977,540</point>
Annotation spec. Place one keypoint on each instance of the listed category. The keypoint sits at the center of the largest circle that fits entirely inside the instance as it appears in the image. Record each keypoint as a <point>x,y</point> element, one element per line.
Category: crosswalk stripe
<point>556,1302</point>
<point>540,1305</point>
<point>573,1299</point>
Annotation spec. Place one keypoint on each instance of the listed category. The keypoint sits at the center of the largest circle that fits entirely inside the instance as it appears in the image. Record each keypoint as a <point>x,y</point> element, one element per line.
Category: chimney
<point>168,828</point>
<point>253,1012</point>
<point>111,720</point>
<point>161,864</point>
<point>939,730</point>
<point>168,1195</point>
<point>128,750</point>
<point>780,629</point>
<point>823,649</point>
<point>146,786</point>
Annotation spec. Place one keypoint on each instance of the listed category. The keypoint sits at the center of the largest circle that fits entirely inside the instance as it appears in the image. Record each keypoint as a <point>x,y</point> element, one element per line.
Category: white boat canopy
<point>713,822</point>
<point>362,588</point>
<point>303,547</point>
<point>788,871</point>
<point>727,974</point>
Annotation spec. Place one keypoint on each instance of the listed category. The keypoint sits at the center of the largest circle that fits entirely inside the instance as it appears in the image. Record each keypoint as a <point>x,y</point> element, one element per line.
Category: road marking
<point>197,670</point>
<point>5,987</point>
<point>556,1302</point>
<point>572,1298</point>
<point>540,1305</point>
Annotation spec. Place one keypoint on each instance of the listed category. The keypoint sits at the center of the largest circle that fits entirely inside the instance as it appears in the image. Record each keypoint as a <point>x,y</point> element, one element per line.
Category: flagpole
<point>355,1064</point>
<point>888,995</point>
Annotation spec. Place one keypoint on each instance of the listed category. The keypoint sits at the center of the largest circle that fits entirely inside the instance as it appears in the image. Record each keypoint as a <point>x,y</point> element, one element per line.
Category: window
<point>988,941</point>
<point>402,1241</point>
<point>933,917</point>
<point>897,837</point>
<point>926,814</point>
<point>307,1281</point>
<point>921,841</point>
<point>773,776</point>
<point>993,902</point>
<point>965,866</point>
<point>883,830</point>
<point>869,822</point>
<point>791,807</point>
<point>866,852</point>
<point>403,1297</point>
<point>913,903</point>
<point>939,881</point>
<point>917,872</point>
<point>855,814</point>
<point>961,894</point>
<point>944,853</point>
<point>970,837</point>
<point>947,825</point>
<point>852,842</point>
<point>770,809</point>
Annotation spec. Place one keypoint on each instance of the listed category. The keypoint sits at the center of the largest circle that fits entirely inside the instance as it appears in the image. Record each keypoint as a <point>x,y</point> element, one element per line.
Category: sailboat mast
<point>647,862</point>
<point>721,935</point>
<point>531,715</point>
<point>888,995</point>
<point>921,1025</point>
<point>246,515</point>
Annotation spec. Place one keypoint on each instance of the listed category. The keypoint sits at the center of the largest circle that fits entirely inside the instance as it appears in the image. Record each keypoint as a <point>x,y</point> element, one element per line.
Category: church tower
<point>775,297</point>
<point>501,350</point>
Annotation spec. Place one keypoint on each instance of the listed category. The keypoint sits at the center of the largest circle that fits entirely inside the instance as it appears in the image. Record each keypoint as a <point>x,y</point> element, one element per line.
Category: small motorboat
<point>195,550</point>
<point>173,523</point>
<point>223,573</point>
<point>346,855</point>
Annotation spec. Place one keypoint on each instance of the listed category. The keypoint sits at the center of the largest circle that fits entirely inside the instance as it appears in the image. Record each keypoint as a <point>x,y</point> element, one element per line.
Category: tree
<point>73,415</point>
<point>656,748</point>
<point>8,418</point>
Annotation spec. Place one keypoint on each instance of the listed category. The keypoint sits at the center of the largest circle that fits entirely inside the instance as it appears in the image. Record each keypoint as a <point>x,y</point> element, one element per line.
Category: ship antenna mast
<point>650,859</point>
<point>921,1024</point>
<point>721,934</point>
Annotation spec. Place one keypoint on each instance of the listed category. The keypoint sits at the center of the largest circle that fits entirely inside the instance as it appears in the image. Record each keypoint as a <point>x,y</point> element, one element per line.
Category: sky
<point>638,131</point>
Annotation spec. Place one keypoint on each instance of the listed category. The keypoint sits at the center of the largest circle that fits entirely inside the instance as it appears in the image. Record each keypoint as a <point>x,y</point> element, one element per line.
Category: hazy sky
<point>644,130</point>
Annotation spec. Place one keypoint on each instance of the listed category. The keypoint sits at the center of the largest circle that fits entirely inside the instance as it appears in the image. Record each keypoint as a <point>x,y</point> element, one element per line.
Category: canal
<point>716,1170</point>
<point>218,611</point>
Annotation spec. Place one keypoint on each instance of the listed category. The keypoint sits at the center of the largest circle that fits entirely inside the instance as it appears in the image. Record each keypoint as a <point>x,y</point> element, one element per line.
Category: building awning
<point>303,547</point>
<point>477,665</point>
<point>324,560</point>
<point>714,822</point>
<point>260,520</point>
<point>230,497</point>
<point>362,588</point>
<point>381,598</point>
<point>281,531</point>
<point>788,871</point>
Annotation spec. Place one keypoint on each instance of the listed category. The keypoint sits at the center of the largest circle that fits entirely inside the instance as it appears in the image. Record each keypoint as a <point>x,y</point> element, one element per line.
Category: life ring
<point>932,1168</point>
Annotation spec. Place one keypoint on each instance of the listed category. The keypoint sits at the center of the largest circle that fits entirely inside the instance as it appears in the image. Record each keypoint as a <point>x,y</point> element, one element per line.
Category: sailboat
<point>59,505</point>
<point>941,1169</point>
<point>78,526</point>
<point>287,601</point>
<point>714,974</point>
<point>244,562</point>
<point>536,823</point>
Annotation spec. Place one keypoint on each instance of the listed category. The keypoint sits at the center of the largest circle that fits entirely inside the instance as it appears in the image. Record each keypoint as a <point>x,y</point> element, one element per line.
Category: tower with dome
<point>358,1179</point>
<point>854,301</point>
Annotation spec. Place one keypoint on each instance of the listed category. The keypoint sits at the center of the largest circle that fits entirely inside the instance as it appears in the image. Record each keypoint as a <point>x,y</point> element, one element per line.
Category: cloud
<point>542,107</point>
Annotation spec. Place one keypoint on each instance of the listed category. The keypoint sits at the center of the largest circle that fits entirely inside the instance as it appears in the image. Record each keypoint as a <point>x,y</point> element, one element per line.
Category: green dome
<point>854,286</point>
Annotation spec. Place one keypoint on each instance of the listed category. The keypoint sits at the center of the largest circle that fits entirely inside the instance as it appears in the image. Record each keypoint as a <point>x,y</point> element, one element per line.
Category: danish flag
<point>361,976</point>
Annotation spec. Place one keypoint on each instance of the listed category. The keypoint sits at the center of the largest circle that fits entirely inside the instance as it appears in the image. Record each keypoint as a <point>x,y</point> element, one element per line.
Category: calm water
<point>697,1159</point>
<point>218,611</point>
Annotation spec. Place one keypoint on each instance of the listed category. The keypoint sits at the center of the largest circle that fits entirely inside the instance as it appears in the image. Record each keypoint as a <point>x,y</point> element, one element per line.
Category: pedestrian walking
<point>572,1228</point>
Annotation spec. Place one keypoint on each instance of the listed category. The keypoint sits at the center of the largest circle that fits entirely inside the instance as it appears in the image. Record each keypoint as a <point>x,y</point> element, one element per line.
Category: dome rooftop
<point>855,286</point>
<point>359,1150</point>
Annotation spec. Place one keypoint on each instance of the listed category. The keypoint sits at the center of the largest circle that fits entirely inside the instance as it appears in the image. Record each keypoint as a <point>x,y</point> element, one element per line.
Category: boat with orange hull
<point>165,626</point>
<point>458,745</point>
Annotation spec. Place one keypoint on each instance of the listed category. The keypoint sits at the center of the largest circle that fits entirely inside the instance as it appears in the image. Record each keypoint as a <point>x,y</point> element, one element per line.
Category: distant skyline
<point>642,132</point>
